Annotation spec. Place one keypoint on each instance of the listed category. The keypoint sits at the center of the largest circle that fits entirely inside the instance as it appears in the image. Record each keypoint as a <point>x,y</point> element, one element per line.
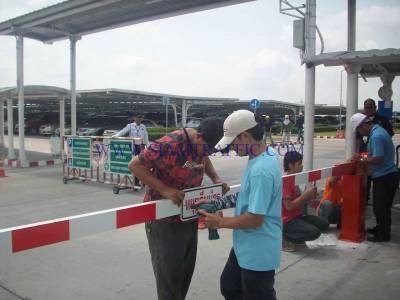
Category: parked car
<point>109,132</point>
<point>46,129</point>
<point>193,123</point>
<point>67,131</point>
<point>32,125</point>
<point>150,123</point>
<point>90,131</point>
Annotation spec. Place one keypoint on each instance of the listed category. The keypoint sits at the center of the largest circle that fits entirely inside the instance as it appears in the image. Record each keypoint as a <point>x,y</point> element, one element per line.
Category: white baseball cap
<point>236,123</point>
<point>356,120</point>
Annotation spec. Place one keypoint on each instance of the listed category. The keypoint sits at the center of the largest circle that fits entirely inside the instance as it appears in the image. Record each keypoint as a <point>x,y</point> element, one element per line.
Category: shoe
<point>288,246</point>
<point>378,239</point>
<point>372,230</point>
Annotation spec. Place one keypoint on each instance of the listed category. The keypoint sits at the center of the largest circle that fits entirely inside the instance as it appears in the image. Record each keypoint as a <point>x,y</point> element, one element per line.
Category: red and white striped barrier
<point>327,137</point>
<point>21,238</point>
<point>14,163</point>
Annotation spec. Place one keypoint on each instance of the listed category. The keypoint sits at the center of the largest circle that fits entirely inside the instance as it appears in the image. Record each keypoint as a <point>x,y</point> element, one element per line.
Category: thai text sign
<point>120,154</point>
<point>195,194</point>
<point>79,153</point>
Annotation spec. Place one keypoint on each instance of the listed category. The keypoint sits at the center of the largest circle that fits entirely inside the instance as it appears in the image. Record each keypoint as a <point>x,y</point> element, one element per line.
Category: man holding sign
<point>257,227</point>
<point>172,164</point>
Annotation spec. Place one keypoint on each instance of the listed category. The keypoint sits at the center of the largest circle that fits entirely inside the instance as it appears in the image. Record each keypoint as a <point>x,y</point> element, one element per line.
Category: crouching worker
<point>330,206</point>
<point>297,226</point>
<point>257,230</point>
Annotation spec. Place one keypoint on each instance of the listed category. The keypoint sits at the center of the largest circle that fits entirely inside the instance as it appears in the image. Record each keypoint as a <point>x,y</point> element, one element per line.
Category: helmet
<point>356,120</point>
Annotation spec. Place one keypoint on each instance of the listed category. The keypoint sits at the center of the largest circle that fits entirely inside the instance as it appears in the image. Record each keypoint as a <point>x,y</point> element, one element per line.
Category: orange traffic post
<point>353,209</point>
<point>2,172</point>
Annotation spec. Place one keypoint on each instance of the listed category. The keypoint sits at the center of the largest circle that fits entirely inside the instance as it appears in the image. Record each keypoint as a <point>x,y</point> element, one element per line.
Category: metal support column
<point>73,40</point>
<point>184,113</point>
<point>62,117</point>
<point>351,107</point>
<point>352,80</point>
<point>10,125</point>
<point>310,30</point>
<point>1,123</point>
<point>21,104</point>
<point>62,123</point>
<point>175,114</point>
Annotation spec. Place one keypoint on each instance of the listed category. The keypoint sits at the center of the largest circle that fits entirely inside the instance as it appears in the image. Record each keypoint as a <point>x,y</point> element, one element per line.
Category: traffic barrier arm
<point>21,238</point>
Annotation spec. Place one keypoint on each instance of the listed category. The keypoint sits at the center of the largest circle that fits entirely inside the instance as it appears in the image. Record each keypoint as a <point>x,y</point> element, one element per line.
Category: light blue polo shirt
<point>260,193</point>
<point>380,144</point>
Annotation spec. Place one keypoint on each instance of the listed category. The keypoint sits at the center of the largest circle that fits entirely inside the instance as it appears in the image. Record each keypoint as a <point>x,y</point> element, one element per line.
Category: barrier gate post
<point>353,209</point>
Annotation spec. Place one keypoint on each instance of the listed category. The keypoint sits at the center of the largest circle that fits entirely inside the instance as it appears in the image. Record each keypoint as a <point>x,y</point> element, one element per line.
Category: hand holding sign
<point>173,194</point>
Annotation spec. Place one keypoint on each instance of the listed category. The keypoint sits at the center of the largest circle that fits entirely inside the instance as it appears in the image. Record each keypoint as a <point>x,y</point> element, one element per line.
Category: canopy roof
<point>373,62</point>
<point>80,17</point>
<point>32,92</point>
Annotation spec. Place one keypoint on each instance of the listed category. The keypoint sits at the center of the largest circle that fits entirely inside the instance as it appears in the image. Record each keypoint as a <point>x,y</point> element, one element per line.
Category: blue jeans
<point>330,212</point>
<point>304,228</point>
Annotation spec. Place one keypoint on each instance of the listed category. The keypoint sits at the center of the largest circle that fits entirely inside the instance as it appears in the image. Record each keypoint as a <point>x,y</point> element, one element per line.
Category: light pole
<point>341,99</point>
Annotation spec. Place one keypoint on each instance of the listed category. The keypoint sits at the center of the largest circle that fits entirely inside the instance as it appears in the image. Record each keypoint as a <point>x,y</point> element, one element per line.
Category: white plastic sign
<point>195,194</point>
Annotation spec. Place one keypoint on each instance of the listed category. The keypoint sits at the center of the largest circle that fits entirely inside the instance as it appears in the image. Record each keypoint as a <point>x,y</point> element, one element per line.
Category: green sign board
<point>120,154</point>
<point>79,153</point>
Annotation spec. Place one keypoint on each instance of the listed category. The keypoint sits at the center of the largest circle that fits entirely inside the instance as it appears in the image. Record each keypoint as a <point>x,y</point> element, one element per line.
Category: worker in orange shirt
<point>329,207</point>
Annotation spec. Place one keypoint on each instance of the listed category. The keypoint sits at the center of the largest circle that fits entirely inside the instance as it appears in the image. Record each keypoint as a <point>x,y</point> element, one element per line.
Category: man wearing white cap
<point>384,173</point>
<point>257,227</point>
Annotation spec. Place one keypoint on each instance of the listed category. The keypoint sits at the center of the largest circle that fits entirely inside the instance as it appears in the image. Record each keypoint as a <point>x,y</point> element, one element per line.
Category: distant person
<point>384,173</point>
<point>135,130</point>
<point>286,130</point>
<point>298,227</point>
<point>267,130</point>
<point>171,164</point>
<point>300,128</point>
<point>371,112</point>
<point>361,145</point>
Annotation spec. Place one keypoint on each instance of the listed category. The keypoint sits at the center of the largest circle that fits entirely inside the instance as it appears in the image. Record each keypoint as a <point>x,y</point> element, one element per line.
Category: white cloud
<point>206,54</point>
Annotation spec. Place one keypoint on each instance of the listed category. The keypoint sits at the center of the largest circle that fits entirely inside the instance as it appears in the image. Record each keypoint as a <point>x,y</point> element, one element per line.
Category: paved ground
<point>116,265</point>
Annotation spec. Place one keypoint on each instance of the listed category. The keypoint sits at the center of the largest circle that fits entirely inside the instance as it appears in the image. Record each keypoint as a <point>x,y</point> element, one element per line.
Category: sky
<point>242,51</point>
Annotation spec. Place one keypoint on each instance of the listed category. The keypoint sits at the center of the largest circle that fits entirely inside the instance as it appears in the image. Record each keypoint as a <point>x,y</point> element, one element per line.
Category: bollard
<point>2,172</point>
<point>353,209</point>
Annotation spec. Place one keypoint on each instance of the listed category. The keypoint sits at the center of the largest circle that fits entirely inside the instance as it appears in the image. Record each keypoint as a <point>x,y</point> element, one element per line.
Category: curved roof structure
<point>32,92</point>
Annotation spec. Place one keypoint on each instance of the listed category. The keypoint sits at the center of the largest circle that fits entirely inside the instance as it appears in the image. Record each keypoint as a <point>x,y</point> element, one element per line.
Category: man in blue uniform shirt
<point>257,227</point>
<point>384,173</point>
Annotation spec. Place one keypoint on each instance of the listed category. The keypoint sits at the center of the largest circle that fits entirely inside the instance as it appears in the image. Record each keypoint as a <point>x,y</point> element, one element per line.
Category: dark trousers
<point>304,228</point>
<point>369,180</point>
<point>173,249</point>
<point>383,190</point>
<point>241,284</point>
<point>330,212</point>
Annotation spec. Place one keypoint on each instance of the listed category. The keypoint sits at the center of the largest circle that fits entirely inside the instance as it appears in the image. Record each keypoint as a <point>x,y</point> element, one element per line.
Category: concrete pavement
<point>116,265</point>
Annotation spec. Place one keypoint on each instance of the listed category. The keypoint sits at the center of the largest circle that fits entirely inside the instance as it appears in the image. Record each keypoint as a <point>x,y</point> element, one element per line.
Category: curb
<point>15,163</point>
<point>327,137</point>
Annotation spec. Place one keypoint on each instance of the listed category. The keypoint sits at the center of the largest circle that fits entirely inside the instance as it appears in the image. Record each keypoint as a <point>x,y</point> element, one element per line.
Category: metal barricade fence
<point>101,159</point>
